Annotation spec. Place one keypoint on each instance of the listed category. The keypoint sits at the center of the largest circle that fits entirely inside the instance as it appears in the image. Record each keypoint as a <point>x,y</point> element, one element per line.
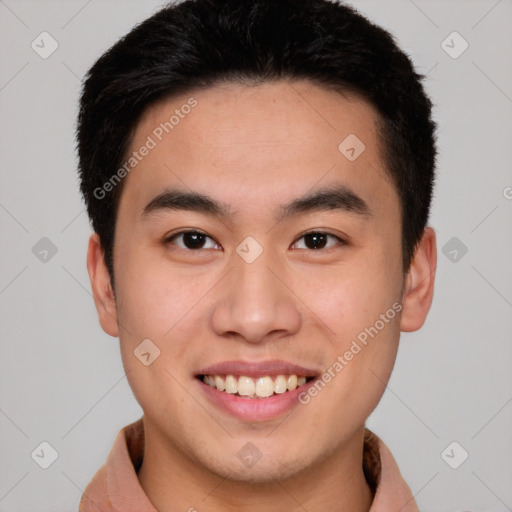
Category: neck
<point>174,482</point>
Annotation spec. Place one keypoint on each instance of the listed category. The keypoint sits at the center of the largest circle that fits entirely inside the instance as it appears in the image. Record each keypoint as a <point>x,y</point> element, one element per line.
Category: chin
<point>267,469</point>
<point>260,473</point>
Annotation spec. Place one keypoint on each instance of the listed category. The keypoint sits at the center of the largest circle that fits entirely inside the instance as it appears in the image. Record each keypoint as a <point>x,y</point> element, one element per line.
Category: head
<point>311,134</point>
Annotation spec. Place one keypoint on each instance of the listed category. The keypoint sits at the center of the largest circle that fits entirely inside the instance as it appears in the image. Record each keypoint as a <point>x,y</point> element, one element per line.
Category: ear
<point>419,284</point>
<point>101,287</point>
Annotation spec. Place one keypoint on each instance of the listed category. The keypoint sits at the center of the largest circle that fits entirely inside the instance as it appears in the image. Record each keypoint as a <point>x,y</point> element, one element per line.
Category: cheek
<point>359,305</point>
<point>157,304</point>
<point>351,296</point>
<point>165,304</point>
<point>155,297</point>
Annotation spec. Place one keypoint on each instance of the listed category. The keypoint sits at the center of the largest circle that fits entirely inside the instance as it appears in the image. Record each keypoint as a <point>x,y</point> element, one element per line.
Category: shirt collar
<point>116,488</point>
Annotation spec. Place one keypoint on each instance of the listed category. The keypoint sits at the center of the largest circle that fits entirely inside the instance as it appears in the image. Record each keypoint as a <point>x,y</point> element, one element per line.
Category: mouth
<point>255,391</point>
<point>262,387</point>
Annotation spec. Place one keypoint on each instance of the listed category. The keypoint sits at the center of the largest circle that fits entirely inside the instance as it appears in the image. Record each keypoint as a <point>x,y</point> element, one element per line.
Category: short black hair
<point>197,44</point>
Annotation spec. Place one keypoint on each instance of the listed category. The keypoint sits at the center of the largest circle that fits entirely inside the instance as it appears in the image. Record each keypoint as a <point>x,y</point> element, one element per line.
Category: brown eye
<point>316,240</point>
<point>190,240</point>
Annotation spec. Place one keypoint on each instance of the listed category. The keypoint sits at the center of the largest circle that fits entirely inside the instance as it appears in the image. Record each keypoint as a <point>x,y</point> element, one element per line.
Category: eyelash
<point>341,242</point>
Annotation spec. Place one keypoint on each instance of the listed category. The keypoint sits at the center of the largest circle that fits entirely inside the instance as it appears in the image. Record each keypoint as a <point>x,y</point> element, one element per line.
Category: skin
<point>255,148</point>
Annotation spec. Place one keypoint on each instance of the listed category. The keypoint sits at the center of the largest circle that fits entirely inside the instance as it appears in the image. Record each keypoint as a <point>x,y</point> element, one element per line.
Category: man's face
<point>252,288</point>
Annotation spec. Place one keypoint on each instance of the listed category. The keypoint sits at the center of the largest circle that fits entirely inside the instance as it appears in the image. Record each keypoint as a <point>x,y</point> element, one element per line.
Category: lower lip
<point>255,409</point>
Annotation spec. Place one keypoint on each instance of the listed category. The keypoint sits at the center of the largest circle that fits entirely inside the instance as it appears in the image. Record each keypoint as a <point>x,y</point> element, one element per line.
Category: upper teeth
<point>261,387</point>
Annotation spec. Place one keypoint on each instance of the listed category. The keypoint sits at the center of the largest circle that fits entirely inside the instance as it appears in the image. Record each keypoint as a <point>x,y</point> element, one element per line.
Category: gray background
<point>61,377</point>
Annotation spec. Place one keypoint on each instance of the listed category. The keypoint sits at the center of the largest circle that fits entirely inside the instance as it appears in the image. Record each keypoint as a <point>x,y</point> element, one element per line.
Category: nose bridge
<point>255,302</point>
<point>255,281</point>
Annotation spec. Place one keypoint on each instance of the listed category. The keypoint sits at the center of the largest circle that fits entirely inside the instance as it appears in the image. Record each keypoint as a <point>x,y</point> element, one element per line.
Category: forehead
<point>252,145</point>
<point>229,114</point>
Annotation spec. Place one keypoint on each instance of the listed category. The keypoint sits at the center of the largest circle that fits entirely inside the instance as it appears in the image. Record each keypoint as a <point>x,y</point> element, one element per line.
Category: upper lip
<point>272,367</point>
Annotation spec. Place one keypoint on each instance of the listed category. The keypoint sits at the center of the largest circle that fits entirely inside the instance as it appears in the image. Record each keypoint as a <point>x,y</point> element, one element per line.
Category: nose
<point>257,301</point>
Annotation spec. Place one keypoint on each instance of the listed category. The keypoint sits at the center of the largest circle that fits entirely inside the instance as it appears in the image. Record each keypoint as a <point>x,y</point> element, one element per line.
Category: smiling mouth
<point>251,388</point>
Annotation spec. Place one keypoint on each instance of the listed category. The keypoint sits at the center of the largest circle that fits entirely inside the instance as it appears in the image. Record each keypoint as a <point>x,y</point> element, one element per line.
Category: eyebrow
<point>340,198</point>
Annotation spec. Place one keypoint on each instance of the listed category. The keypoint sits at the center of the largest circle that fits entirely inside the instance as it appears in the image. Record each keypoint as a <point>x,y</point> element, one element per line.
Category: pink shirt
<point>116,488</point>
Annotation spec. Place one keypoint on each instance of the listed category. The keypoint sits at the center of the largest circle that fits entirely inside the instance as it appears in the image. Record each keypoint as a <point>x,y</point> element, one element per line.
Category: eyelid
<point>185,231</point>
<point>320,231</point>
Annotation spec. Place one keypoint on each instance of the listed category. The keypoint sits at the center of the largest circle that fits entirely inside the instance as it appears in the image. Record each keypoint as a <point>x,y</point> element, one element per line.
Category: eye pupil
<point>318,240</point>
<point>197,240</point>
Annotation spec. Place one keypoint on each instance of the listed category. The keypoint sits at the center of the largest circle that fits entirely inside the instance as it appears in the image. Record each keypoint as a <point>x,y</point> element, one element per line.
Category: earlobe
<point>419,284</point>
<point>102,291</point>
